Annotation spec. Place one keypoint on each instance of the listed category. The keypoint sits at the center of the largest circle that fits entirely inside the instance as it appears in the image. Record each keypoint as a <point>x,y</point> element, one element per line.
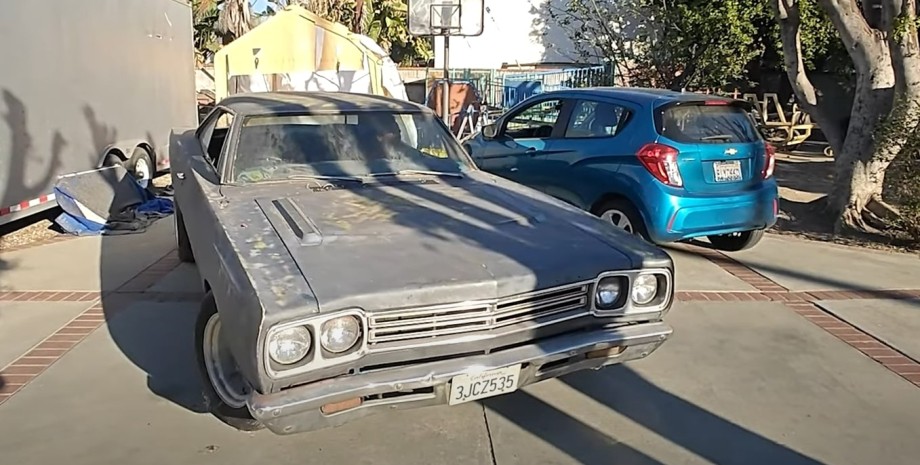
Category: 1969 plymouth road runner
<point>356,261</point>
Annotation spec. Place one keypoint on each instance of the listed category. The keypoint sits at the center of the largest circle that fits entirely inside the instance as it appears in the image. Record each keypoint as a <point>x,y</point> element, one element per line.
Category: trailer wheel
<point>112,159</point>
<point>140,165</point>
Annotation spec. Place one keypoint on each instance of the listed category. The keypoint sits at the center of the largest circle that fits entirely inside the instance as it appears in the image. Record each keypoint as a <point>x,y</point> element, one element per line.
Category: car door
<point>197,181</point>
<point>596,139</point>
<point>523,137</point>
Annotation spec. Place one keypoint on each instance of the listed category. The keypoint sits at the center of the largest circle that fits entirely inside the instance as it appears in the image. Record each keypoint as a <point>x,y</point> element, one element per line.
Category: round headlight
<point>644,289</point>
<point>340,334</point>
<point>289,345</point>
<point>608,293</point>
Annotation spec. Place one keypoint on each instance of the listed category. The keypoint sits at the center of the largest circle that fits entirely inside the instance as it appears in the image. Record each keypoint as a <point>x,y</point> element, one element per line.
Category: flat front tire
<point>223,386</point>
<point>737,242</point>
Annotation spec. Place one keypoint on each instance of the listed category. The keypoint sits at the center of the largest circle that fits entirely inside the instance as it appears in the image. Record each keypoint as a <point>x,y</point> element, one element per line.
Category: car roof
<point>267,103</point>
<point>641,95</point>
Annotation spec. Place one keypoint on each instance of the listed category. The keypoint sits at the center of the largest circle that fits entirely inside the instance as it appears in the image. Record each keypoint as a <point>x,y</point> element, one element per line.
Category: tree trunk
<point>861,172</point>
<point>888,71</point>
<point>859,176</point>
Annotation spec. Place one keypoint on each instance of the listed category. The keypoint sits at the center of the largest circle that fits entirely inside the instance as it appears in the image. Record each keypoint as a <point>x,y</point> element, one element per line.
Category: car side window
<point>592,119</point>
<point>214,134</point>
<point>534,122</point>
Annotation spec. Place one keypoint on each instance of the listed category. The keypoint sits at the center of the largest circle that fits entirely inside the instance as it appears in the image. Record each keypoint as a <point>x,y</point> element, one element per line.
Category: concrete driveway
<point>792,353</point>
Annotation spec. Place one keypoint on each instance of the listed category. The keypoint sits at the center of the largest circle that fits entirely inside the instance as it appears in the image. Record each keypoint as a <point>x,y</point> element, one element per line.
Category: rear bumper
<point>686,217</point>
<point>298,409</point>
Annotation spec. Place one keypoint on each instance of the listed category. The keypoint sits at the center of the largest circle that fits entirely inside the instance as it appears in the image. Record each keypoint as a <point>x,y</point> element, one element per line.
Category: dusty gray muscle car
<point>355,261</point>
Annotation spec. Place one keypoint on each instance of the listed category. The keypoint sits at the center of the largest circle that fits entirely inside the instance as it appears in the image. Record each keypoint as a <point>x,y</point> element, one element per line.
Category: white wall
<point>514,32</point>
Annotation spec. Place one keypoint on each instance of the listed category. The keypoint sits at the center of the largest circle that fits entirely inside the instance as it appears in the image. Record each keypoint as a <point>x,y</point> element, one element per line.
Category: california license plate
<point>727,171</point>
<point>473,386</point>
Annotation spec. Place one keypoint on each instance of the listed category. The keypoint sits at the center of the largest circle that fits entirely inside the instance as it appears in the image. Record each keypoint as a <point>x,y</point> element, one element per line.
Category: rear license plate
<point>473,386</point>
<point>727,171</point>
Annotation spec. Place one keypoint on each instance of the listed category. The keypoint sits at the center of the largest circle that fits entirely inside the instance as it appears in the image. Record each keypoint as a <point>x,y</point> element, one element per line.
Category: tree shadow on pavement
<point>580,441</point>
<point>815,281</point>
<point>159,338</point>
<point>695,429</point>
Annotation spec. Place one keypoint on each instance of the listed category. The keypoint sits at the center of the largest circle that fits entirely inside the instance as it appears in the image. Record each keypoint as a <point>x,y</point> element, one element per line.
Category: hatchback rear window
<point>701,123</point>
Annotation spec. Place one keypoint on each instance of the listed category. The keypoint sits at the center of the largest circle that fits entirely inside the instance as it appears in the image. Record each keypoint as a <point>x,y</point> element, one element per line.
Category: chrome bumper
<point>297,409</point>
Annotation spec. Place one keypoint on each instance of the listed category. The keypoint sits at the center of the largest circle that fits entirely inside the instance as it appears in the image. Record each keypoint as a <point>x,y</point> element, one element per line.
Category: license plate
<point>473,386</point>
<point>727,171</point>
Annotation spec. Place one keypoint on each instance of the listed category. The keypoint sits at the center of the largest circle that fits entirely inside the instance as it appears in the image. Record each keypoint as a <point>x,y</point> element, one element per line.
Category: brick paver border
<point>33,363</point>
<point>805,304</point>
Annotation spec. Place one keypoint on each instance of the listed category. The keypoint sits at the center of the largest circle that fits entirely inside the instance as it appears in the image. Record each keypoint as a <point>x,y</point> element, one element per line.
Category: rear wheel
<point>112,159</point>
<point>736,242</point>
<point>622,214</point>
<point>225,389</point>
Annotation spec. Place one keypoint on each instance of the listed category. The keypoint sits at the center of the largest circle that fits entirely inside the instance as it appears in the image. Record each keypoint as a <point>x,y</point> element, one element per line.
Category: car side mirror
<point>489,131</point>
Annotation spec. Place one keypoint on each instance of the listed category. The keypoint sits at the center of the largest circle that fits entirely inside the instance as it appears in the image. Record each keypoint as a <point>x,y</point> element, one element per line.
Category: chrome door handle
<point>180,175</point>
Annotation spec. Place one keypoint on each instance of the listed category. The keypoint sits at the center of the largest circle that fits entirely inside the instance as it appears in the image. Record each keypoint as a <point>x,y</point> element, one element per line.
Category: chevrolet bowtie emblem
<point>731,152</point>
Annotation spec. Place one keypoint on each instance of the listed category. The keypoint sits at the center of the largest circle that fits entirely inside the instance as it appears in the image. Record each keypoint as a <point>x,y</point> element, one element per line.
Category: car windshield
<point>345,146</point>
<point>714,124</point>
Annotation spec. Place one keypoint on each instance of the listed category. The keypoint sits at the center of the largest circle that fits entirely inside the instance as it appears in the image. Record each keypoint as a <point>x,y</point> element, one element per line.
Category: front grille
<point>545,307</point>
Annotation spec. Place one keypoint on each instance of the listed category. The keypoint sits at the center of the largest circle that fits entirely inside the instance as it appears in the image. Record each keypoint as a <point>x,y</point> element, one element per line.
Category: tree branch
<point>789,19</point>
<point>861,41</point>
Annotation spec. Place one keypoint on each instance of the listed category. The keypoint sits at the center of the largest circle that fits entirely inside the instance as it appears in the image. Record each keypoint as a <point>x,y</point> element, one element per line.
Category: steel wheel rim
<point>222,372</point>
<point>141,170</point>
<point>618,219</point>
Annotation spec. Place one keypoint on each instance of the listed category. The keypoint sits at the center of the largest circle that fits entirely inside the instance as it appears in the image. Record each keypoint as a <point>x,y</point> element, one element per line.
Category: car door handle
<point>180,175</point>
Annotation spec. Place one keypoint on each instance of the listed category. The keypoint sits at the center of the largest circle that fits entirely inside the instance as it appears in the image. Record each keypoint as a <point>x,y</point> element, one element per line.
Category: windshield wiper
<point>420,172</point>
<point>718,137</point>
<point>319,177</point>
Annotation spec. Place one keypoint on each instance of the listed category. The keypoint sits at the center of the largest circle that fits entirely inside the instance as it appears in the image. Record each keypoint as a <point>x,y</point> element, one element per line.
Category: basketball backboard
<point>446,17</point>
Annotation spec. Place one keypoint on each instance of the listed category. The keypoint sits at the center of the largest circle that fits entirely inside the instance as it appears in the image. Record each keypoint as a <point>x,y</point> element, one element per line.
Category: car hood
<point>404,244</point>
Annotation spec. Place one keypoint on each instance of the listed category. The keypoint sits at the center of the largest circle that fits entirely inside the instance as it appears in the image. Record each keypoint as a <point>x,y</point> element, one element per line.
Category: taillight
<point>661,161</point>
<point>769,162</point>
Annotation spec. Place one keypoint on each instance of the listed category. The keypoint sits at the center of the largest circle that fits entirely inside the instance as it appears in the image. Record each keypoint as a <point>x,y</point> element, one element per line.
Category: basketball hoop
<point>446,18</point>
<point>463,18</point>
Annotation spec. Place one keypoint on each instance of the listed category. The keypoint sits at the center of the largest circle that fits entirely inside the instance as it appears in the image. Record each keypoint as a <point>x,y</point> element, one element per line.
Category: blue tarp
<point>107,201</point>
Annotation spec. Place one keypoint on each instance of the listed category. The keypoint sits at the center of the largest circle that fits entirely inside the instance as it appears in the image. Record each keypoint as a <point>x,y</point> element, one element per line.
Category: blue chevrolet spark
<point>665,165</point>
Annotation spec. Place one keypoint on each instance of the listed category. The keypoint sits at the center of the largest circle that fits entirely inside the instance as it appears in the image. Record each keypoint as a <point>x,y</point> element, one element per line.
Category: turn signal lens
<point>769,163</point>
<point>661,161</point>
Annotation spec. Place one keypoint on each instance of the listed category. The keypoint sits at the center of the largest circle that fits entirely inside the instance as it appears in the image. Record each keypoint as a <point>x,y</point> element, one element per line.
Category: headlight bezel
<point>660,303</point>
<point>318,358</point>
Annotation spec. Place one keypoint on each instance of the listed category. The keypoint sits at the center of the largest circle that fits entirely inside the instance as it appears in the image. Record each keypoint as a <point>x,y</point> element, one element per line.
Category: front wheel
<point>736,242</point>
<point>224,388</point>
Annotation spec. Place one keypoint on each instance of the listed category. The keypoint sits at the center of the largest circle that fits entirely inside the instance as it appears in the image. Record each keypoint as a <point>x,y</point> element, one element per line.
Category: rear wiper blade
<point>420,172</point>
<point>718,137</point>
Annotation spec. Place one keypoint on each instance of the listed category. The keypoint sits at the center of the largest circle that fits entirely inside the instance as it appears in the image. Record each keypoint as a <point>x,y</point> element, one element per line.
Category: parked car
<point>356,261</point>
<point>665,165</point>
